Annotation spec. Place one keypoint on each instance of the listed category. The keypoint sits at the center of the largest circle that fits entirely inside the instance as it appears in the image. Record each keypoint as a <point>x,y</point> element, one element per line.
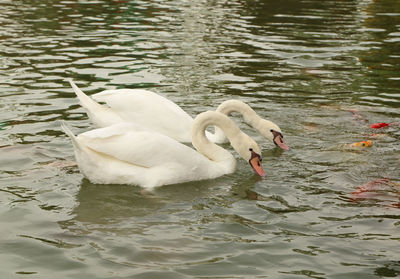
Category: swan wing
<point>135,145</point>
<point>150,110</point>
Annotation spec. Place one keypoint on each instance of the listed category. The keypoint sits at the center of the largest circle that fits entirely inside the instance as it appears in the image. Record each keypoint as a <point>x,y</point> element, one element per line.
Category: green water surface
<point>300,63</point>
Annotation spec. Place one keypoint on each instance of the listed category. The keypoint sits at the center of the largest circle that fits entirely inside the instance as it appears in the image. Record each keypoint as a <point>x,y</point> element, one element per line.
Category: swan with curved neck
<point>155,112</point>
<point>126,153</point>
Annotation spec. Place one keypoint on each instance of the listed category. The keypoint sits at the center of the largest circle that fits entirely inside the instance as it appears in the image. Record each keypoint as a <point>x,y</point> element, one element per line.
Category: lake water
<point>303,64</point>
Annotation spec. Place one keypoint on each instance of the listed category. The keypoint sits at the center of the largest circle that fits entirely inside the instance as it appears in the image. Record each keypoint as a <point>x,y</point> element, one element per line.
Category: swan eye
<point>271,131</point>
<point>250,149</point>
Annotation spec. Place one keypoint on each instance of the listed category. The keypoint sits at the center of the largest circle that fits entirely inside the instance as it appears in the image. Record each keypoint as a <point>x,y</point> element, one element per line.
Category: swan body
<point>126,153</point>
<point>150,110</point>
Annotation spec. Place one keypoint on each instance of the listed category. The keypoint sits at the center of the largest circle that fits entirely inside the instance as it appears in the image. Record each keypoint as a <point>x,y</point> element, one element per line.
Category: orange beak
<point>281,143</point>
<point>278,140</point>
<point>255,163</point>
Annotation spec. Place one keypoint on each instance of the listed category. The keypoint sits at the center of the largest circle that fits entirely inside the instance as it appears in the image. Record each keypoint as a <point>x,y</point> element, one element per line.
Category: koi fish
<point>379,125</point>
<point>366,143</point>
<point>380,190</point>
<point>372,186</point>
<point>357,116</point>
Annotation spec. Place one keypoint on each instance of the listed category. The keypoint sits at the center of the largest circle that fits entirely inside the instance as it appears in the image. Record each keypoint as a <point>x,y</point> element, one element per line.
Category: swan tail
<point>100,115</point>
<point>70,134</point>
<point>86,102</point>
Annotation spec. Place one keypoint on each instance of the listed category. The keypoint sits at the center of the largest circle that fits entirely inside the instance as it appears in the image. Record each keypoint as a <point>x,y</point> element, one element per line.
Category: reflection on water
<point>323,70</point>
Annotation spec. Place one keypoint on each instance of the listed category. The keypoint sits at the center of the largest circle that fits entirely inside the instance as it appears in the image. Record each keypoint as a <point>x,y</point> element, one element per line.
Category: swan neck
<point>231,106</point>
<point>204,145</point>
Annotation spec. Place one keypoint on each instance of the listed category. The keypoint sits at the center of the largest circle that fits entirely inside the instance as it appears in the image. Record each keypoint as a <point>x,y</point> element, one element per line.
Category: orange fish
<point>366,143</point>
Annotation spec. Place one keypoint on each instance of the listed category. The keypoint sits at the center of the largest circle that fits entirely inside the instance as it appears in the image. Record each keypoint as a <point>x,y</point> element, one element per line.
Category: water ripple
<point>309,66</point>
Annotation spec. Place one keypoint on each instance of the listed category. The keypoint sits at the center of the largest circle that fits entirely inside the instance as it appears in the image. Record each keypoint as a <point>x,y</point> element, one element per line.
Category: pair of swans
<point>139,141</point>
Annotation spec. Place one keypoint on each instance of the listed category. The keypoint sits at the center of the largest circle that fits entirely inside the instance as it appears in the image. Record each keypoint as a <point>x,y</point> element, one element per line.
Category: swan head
<point>249,150</point>
<point>255,163</point>
<point>272,132</point>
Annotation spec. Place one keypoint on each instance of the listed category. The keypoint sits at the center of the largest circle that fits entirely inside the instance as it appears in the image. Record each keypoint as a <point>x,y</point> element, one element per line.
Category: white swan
<point>155,112</point>
<point>126,153</point>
